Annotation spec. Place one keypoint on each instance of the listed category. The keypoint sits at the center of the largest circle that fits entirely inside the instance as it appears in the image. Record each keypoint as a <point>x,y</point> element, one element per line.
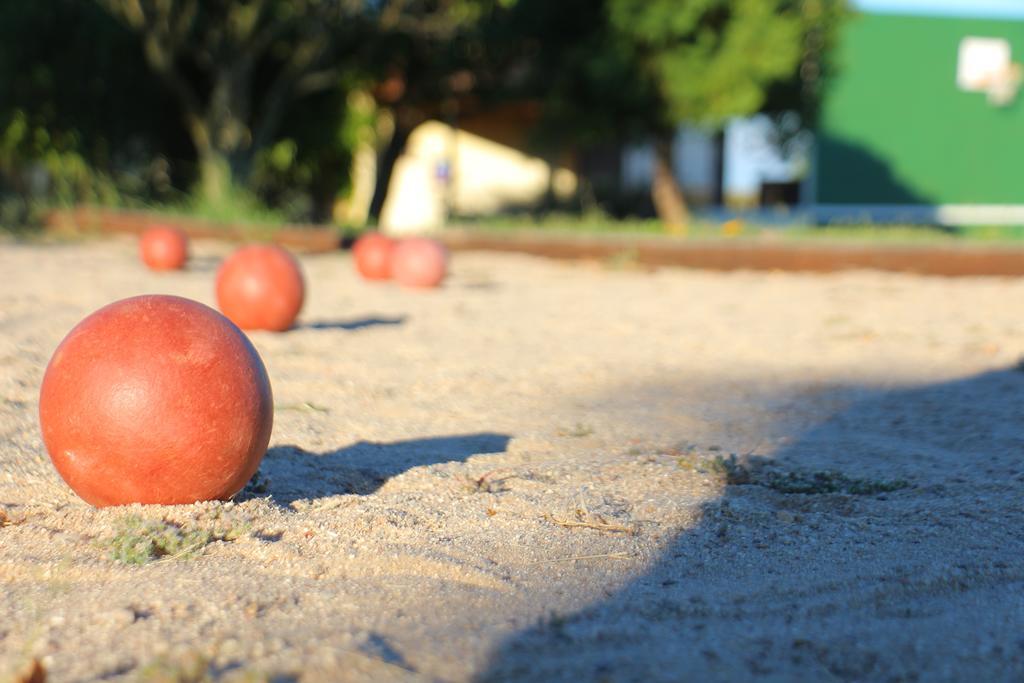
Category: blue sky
<point>997,9</point>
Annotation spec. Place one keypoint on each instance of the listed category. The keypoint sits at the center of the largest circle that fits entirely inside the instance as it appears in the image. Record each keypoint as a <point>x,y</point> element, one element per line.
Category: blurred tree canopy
<point>146,97</point>
<point>76,108</point>
<point>636,69</point>
<point>234,67</point>
<point>237,68</point>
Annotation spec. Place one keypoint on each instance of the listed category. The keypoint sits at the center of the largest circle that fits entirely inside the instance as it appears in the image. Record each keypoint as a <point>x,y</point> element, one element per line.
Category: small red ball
<point>419,262</point>
<point>260,287</point>
<point>372,253</point>
<point>155,399</point>
<point>164,248</point>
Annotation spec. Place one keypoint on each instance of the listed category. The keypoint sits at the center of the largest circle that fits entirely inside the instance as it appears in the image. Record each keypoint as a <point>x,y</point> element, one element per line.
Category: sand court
<point>550,471</point>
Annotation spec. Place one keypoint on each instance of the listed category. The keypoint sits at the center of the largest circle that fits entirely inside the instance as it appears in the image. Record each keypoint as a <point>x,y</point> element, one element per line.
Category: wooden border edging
<point>744,254</point>
<point>708,254</point>
<point>85,219</point>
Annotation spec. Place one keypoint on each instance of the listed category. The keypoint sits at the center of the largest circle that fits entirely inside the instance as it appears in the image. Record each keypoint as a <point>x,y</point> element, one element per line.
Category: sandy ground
<point>525,476</point>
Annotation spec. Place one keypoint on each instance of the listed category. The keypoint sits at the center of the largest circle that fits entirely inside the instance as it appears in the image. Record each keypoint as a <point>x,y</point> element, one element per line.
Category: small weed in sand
<point>487,483</point>
<point>257,486</point>
<point>139,541</point>
<point>580,430</point>
<point>189,668</point>
<point>734,472</point>
<point>193,667</point>
<point>728,470</point>
<point>829,482</point>
<point>556,623</point>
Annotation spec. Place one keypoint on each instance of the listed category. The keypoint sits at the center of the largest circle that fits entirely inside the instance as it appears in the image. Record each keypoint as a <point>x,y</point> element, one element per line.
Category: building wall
<point>896,129</point>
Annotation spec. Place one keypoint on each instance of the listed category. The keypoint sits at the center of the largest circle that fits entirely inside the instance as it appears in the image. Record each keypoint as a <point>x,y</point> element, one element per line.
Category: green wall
<point>895,129</point>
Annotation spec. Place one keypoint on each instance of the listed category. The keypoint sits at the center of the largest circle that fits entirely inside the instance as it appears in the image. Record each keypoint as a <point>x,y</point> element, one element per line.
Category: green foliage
<point>61,171</point>
<point>730,470</point>
<point>621,69</point>
<point>712,59</point>
<point>599,223</point>
<point>239,207</point>
<point>818,483</point>
<point>79,123</point>
<point>265,102</point>
<point>194,666</point>
<point>309,166</point>
<point>190,667</point>
<point>139,541</point>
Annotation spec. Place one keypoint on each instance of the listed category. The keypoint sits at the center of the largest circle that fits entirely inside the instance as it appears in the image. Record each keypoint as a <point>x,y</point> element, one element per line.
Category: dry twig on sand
<point>601,556</point>
<point>592,522</point>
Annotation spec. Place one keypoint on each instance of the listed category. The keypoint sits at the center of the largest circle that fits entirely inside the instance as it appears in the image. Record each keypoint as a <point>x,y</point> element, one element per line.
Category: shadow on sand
<point>353,324</point>
<point>909,565</point>
<point>289,473</point>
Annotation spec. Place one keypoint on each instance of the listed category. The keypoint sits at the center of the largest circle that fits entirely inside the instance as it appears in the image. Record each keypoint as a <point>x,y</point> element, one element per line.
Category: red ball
<point>164,248</point>
<point>261,287</point>
<point>372,253</point>
<point>155,399</point>
<point>419,262</point>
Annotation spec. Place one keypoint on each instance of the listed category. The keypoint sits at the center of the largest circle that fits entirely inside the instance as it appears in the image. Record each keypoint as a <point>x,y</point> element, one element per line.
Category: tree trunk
<point>666,193</point>
<point>386,165</point>
<point>214,163</point>
<point>214,175</point>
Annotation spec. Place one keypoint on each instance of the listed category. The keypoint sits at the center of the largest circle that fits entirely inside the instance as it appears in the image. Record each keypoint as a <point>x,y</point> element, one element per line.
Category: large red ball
<point>261,287</point>
<point>164,248</point>
<point>155,399</point>
<point>372,253</point>
<point>419,262</point>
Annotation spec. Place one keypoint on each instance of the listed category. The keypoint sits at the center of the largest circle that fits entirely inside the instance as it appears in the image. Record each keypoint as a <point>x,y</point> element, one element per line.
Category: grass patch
<point>829,482</point>
<point>578,431</point>
<point>190,668</point>
<point>731,471</point>
<point>903,234</point>
<point>238,208</point>
<point>139,541</point>
<point>595,222</point>
<point>598,223</point>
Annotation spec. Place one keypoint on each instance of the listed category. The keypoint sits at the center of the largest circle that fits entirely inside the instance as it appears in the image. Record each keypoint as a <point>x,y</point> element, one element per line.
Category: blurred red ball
<point>155,399</point>
<point>372,253</point>
<point>419,262</point>
<point>261,287</point>
<point>164,248</point>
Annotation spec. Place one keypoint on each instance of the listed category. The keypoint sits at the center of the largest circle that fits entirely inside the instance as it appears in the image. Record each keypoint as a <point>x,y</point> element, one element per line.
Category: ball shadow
<point>289,473</point>
<point>353,324</point>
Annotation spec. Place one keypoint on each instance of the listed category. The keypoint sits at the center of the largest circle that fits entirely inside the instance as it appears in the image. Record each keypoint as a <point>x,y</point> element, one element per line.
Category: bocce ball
<point>419,262</point>
<point>164,248</point>
<point>155,399</point>
<point>372,253</point>
<point>260,287</point>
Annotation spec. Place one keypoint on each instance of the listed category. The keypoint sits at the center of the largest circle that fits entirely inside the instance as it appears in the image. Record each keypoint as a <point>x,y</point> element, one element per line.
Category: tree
<point>635,69</point>
<point>715,59</point>
<point>234,67</point>
<point>82,122</point>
